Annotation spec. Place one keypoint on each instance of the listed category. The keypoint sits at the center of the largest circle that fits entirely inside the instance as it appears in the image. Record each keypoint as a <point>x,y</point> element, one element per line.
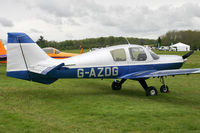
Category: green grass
<point>89,105</point>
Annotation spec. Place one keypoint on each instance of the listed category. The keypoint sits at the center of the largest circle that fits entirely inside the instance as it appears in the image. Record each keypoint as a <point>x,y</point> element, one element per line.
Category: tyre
<point>116,85</point>
<point>151,91</point>
<point>164,89</point>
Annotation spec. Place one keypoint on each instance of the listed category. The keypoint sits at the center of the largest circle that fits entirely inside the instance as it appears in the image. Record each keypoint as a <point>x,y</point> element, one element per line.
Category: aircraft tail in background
<point>3,56</point>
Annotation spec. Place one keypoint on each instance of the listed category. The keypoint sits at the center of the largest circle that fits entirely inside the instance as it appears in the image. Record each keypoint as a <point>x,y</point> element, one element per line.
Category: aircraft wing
<point>160,73</point>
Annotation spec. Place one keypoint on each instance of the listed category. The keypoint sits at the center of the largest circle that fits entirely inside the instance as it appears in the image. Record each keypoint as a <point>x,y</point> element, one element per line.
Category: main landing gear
<point>117,85</point>
<point>149,90</point>
<point>152,91</point>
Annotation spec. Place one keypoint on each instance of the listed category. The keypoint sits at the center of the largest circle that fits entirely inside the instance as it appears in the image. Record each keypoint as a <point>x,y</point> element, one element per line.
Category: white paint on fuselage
<point>103,57</point>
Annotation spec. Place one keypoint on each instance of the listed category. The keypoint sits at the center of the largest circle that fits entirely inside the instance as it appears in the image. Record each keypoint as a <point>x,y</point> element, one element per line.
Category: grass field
<point>88,105</point>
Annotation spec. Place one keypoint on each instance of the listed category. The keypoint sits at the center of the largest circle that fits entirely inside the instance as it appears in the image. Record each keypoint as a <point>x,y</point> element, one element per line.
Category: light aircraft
<point>26,60</point>
<point>56,54</point>
<point>3,56</point>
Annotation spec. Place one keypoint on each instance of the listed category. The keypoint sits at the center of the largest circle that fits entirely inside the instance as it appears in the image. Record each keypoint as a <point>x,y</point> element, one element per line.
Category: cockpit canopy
<point>136,54</point>
<point>50,50</point>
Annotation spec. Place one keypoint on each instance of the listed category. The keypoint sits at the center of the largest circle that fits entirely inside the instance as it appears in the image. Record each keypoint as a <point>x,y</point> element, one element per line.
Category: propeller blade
<point>188,54</point>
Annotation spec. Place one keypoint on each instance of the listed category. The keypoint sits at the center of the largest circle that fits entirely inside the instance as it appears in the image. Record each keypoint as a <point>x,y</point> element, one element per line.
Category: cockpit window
<point>137,54</point>
<point>118,54</point>
<point>154,55</point>
<point>48,50</point>
<point>57,51</point>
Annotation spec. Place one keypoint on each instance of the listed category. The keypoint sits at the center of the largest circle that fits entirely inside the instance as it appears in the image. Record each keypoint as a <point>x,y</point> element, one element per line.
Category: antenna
<point>127,40</point>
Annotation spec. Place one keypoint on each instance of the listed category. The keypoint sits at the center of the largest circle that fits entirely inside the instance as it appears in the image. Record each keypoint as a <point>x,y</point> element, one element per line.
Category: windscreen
<point>48,50</point>
<point>154,55</point>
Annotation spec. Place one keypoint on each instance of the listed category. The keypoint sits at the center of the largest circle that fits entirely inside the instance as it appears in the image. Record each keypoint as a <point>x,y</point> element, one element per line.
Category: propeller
<point>188,54</point>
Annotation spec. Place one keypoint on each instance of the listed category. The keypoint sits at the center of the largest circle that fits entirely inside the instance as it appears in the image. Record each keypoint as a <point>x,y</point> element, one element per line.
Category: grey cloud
<point>5,22</point>
<point>65,11</point>
<point>123,19</point>
<point>35,31</point>
<point>69,8</point>
<point>144,19</point>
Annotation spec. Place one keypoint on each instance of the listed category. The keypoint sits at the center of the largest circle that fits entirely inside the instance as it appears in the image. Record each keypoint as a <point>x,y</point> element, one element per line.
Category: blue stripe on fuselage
<point>109,72</point>
<point>90,72</point>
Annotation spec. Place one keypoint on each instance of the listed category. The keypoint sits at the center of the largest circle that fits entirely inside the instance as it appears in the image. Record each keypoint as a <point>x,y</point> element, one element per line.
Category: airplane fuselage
<point>100,64</point>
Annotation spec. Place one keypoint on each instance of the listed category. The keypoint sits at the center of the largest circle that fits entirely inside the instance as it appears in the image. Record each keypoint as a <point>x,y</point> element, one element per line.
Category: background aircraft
<point>26,60</point>
<point>3,56</point>
<point>54,53</point>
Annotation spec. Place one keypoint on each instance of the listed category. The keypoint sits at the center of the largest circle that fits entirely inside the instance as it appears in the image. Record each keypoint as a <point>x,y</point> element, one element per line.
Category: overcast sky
<point>77,19</point>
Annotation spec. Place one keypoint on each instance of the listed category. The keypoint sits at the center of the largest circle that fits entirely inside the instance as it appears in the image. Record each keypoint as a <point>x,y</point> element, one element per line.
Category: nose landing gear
<point>164,88</point>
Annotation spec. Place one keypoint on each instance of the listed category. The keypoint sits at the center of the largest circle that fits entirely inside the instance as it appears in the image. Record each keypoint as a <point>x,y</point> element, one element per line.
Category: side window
<point>48,50</point>
<point>137,54</point>
<point>57,51</point>
<point>118,54</point>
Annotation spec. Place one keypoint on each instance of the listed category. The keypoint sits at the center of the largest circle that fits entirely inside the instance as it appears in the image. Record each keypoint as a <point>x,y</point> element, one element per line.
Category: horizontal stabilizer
<point>44,69</point>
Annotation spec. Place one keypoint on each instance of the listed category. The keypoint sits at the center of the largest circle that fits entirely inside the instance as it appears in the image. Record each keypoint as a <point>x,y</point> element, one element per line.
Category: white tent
<point>181,47</point>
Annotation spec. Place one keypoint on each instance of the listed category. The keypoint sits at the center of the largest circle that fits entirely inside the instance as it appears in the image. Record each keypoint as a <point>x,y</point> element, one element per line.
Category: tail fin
<point>3,56</point>
<point>2,49</point>
<point>26,60</point>
<point>81,51</point>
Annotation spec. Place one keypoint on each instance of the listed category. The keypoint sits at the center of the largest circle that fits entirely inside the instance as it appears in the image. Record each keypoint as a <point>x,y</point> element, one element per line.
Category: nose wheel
<point>164,88</point>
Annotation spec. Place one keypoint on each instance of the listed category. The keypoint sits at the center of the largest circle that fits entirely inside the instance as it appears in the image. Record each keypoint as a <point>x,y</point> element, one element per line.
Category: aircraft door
<point>120,60</point>
<point>138,58</point>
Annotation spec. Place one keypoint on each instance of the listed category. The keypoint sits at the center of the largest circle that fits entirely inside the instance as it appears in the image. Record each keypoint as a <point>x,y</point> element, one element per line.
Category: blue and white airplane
<point>26,60</point>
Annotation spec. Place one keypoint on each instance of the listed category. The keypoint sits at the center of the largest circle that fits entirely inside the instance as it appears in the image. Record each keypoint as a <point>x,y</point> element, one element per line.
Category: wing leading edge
<point>160,73</point>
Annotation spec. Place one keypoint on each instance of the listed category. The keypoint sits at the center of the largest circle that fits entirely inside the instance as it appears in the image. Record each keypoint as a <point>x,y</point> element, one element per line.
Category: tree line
<point>189,37</point>
<point>92,42</point>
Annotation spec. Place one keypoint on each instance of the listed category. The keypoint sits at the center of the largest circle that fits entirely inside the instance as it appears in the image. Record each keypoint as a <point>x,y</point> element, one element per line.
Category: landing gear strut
<point>117,85</point>
<point>150,91</point>
<point>164,88</point>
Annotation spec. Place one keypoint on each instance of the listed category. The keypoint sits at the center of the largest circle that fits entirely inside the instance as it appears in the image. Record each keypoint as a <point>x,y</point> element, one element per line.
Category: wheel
<point>164,89</point>
<point>116,85</point>
<point>151,91</point>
